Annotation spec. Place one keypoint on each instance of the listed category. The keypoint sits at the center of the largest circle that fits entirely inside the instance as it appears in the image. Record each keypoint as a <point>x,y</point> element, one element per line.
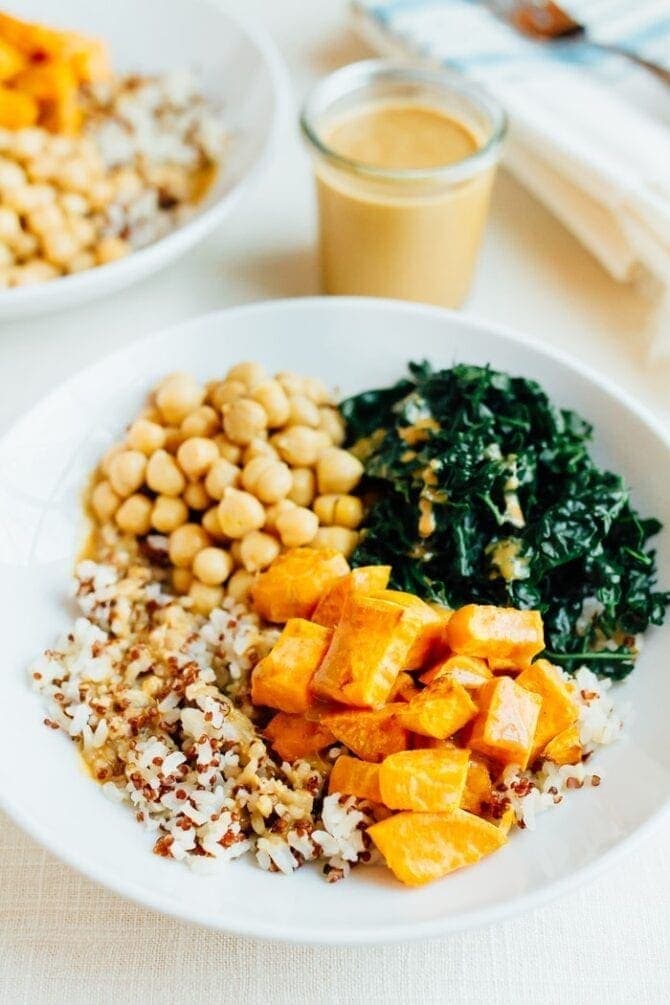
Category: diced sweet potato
<point>469,671</point>
<point>429,627</point>
<point>559,710</point>
<point>89,57</point>
<point>565,747</point>
<point>355,778</point>
<point>367,652</point>
<point>429,781</point>
<point>496,632</point>
<point>505,725</point>
<point>477,786</point>
<point>33,40</point>
<point>498,666</point>
<point>47,81</point>
<point>404,688</point>
<point>293,737</point>
<point>17,109</point>
<point>440,710</point>
<point>282,678</point>
<point>63,115</point>
<point>506,821</point>
<point>296,581</point>
<point>421,847</point>
<point>366,579</point>
<point>372,735</point>
<point>11,60</point>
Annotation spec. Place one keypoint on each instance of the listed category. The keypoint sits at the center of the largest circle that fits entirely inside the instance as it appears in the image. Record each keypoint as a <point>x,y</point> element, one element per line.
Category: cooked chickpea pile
<point>232,473</point>
<point>54,194</point>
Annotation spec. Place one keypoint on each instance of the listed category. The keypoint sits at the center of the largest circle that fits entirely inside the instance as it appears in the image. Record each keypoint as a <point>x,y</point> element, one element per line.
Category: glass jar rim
<point>371,70</point>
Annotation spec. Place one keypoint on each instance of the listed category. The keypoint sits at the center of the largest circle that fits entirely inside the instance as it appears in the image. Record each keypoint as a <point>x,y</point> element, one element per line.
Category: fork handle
<point>659,71</point>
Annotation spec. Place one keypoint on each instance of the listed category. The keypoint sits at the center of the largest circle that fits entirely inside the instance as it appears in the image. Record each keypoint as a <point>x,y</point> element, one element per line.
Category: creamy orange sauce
<point>416,240</point>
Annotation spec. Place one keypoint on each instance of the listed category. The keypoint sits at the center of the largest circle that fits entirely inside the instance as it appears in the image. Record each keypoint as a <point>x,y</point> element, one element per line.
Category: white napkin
<point>589,134</point>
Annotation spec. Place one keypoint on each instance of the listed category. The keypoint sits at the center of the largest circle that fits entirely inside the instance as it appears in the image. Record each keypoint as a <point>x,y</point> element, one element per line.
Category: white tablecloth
<point>64,939</point>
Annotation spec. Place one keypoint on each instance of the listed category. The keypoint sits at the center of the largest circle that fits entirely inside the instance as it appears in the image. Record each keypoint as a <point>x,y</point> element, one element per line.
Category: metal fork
<point>545,20</point>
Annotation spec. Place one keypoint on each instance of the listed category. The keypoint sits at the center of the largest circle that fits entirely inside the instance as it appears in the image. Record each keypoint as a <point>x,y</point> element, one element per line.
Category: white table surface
<point>64,939</point>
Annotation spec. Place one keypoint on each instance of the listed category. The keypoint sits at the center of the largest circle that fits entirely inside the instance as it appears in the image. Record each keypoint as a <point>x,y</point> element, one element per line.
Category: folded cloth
<point>589,131</point>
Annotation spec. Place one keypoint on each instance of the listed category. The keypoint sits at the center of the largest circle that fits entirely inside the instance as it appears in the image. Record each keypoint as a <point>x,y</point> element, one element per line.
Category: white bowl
<point>239,69</point>
<point>44,461</point>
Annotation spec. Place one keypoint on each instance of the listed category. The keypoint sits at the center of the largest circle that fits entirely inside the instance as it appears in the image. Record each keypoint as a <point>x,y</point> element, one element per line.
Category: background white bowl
<point>44,461</point>
<point>239,69</point>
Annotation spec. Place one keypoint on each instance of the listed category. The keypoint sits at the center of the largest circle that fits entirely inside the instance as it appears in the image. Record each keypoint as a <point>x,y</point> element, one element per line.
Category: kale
<point>481,490</point>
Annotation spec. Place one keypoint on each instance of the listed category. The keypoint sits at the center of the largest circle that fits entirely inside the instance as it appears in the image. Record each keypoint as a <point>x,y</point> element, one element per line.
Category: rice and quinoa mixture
<point>156,698</point>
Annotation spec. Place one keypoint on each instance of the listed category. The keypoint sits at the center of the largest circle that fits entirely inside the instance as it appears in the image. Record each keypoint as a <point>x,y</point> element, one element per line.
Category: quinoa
<point>155,697</point>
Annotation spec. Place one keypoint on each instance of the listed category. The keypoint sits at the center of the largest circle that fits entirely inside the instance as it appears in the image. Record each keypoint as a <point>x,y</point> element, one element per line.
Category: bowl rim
<point>350,935</point>
<point>147,260</point>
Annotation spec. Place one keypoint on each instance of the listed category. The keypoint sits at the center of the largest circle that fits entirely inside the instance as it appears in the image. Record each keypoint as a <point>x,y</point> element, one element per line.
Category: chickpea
<point>269,480</point>
<point>258,550</point>
<point>297,526</point>
<point>240,512</point>
<point>303,411</point>
<point>236,552</point>
<point>332,423</point>
<point>196,455</point>
<point>303,488</point>
<point>259,448</point>
<point>181,580</point>
<point>250,374</point>
<point>110,249</point>
<point>212,566</point>
<point>104,501</point>
<point>196,496</point>
<point>227,391</point>
<point>177,395</point>
<point>204,421</point>
<point>292,383</point>
<point>272,396</point>
<point>342,510</point>
<point>299,446</point>
<point>210,522</point>
<point>243,420</point>
<point>173,439</point>
<point>229,451</point>
<point>146,436</point>
<point>163,475</point>
<point>168,514</point>
<point>338,471</point>
<point>59,247</point>
<point>339,538</point>
<point>239,585</point>
<point>134,515</point>
<point>185,543</point>
<point>110,454</point>
<point>205,598</point>
<point>317,391</point>
<point>81,262</point>
<point>273,513</point>
<point>151,414</point>
<point>221,476</point>
<point>126,471</point>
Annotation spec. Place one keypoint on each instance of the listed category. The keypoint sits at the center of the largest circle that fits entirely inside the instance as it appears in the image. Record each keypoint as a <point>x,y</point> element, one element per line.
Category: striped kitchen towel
<point>589,132</point>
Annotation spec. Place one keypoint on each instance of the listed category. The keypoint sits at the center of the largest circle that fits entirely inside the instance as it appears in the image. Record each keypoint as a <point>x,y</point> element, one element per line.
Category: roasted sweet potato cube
<point>404,688</point>
<point>372,735</point>
<point>89,57</point>
<point>496,632</point>
<point>559,710</point>
<point>296,581</point>
<point>17,109</point>
<point>505,725</point>
<point>47,81</point>
<point>499,666</point>
<point>421,847</point>
<point>429,781</point>
<point>469,671</point>
<point>366,579</point>
<point>366,654</point>
<point>33,40</point>
<point>11,60</point>
<point>355,778</point>
<point>293,736</point>
<point>565,747</point>
<point>282,678</point>
<point>477,786</point>
<point>439,710</point>
<point>506,821</point>
<point>429,627</point>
